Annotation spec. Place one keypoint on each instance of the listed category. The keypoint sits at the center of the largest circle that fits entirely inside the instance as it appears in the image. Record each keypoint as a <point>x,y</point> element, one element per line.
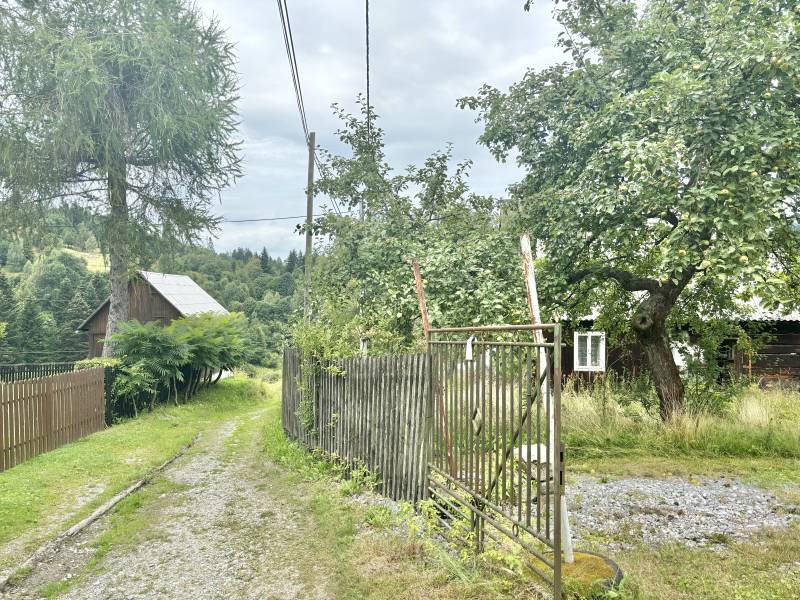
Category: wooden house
<point>776,360</point>
<point>157,297</point>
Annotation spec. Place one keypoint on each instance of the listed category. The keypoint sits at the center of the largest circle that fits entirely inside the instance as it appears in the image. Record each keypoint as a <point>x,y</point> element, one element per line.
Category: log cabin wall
<point>777,360</point>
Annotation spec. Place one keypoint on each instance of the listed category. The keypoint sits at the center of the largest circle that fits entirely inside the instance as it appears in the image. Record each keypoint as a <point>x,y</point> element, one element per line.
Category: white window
<point>590,351</point>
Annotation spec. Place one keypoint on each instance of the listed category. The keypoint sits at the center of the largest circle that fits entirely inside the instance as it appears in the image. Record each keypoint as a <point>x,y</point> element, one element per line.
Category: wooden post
<point>312,146</point>
<point>555,455</point>
<point>426,325</point>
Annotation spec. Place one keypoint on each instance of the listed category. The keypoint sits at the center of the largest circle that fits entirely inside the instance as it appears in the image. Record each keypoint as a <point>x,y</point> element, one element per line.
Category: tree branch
<point>627,280</point>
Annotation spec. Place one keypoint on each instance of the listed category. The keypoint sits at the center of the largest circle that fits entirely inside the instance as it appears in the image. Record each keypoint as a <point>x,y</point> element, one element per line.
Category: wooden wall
<point>146,305</point>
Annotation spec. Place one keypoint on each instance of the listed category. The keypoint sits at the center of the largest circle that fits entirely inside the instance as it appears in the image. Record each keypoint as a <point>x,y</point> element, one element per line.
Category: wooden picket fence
<point>39,415</point>
<point>367,411</point>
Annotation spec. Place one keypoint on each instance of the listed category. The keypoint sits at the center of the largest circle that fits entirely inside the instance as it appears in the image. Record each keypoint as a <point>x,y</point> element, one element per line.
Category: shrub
<point>100,361</point>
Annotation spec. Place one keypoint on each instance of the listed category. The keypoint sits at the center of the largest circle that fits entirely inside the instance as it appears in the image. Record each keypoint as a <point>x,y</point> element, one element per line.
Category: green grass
<point>45,495</point>
<point>94,260</point>
<point>754,424</point>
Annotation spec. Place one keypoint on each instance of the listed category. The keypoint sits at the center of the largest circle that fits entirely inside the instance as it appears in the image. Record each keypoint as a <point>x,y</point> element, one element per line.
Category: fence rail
<point>367,410</point>
<point>39,415</point>
<point>22,371</point>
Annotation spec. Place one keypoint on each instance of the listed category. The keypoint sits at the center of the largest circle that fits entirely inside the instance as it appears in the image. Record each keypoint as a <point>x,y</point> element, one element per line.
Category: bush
<point>155,363</point>
<point>91,363</point>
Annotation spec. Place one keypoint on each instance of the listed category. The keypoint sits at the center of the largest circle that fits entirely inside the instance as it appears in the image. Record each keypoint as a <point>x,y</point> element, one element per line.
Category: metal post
<point>312,146</point>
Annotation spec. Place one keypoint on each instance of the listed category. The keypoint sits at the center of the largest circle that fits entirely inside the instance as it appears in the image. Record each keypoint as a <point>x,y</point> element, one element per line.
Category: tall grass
<point>609,419</point>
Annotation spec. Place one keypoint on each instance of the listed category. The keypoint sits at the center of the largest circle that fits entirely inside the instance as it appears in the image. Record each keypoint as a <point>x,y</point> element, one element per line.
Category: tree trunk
<point>118,250</point>
<point>219,376</point>
<point>649,322</point>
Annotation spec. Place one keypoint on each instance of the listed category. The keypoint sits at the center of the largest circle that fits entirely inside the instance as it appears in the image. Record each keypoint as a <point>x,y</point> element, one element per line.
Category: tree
<point>128,107</point>
<point>363,279</point>
<point>662,161</point>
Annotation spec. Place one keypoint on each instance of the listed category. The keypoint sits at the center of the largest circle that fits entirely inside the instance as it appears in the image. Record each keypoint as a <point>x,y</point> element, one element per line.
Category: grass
<point>47,494</point>
<point>95,261</point>
<point>600,423</point>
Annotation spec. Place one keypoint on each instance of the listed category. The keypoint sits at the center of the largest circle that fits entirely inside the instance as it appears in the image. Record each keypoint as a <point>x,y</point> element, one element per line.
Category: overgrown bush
<point>158,363</point>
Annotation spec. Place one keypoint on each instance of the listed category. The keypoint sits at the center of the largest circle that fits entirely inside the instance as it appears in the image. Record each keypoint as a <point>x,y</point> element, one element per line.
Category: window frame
<point>589,367</point>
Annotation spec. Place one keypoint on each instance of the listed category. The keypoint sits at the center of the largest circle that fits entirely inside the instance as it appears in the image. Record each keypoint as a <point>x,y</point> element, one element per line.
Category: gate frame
<point>556,446</point>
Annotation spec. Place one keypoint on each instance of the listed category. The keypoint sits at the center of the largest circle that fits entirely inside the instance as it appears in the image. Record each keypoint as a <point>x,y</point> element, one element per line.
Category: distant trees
<point>43,306</point>
<point>128,107</point>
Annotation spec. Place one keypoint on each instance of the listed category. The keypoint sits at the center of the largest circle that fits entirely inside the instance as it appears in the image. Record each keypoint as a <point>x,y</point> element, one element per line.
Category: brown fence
<point>367,410</point>
<point>39,415</point>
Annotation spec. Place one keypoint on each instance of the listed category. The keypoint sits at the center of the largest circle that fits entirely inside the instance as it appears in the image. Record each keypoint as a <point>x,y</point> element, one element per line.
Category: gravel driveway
<point>224,529</point>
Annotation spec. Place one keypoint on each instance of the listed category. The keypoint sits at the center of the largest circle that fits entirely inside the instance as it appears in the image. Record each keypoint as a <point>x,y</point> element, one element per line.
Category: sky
<point>424,55</point>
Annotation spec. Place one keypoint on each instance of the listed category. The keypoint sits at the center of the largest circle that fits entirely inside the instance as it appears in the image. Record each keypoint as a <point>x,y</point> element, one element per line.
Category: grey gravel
<point>227,531</point>
<point>698,512</point>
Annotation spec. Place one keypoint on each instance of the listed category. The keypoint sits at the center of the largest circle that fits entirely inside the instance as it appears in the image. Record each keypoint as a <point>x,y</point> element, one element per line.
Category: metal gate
<point>496,458</point>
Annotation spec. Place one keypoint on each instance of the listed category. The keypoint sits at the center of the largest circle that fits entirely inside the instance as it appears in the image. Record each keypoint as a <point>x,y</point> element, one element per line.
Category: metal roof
<point>182,292</point>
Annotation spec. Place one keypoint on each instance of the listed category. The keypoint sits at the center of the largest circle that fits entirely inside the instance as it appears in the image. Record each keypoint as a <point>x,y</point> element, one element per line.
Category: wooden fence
<point>19,372</point>
<point>39,415</point>
<point>366,410</point>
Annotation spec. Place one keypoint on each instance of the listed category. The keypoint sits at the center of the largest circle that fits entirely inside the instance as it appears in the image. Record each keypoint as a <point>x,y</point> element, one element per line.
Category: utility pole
<point>312,146</point>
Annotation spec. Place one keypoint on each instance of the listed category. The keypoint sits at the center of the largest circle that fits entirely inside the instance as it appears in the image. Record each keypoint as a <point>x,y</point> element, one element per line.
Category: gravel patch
<point>695,512</point>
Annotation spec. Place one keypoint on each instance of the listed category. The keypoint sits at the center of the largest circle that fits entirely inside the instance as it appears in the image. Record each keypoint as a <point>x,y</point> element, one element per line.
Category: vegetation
<point>262,287</point>
<point>128,107</point>
<point>43,305</point>
<point>662,163</point>
<point>616,419</point>
<point>48,493</point>
<point>193,351</point>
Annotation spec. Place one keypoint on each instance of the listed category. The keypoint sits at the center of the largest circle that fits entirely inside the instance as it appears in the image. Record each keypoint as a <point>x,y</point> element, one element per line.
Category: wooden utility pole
<point>312,146</point>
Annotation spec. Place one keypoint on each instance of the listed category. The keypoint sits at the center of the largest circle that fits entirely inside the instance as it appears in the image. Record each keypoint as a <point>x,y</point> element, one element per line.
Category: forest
<point>51,282</point>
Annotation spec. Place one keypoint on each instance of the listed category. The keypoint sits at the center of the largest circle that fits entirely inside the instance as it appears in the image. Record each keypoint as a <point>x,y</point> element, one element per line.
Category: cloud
<point>424,56</point>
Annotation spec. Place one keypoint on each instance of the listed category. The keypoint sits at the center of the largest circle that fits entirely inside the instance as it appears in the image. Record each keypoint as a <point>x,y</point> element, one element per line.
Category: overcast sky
<point>424,55</point>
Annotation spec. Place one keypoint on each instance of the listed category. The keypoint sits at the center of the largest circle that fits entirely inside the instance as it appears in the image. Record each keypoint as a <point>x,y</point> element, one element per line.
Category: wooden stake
<point>426,326</point>
<point>312,146</point>
<point>536,319</point>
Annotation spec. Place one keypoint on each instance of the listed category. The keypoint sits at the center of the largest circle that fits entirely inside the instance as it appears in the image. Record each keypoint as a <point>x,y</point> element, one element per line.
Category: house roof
<point>181,291</point>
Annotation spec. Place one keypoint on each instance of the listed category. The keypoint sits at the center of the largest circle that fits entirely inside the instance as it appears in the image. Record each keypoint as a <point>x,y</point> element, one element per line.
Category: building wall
<point>146,305</point>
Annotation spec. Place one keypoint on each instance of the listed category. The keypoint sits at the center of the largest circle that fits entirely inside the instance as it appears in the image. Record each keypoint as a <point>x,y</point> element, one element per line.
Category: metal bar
<point>500,527</point>
<point>559,484</point>
<point>461,343</point>
<point>509,449</point>
<point>494,506</point>
<point>486,328</point>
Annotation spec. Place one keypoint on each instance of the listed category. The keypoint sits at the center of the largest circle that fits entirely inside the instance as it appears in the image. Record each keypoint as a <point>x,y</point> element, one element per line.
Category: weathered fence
<point>366,410</point>
<point>19,372</point>
<point>39,415</point>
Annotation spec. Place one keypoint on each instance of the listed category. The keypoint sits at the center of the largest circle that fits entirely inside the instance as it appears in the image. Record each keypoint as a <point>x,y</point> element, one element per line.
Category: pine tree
<point>75,313</point>
<point>266,261</point>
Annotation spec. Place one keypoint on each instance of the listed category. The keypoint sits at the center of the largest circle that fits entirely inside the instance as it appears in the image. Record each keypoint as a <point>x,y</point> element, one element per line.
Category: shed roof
<point>181,291</point>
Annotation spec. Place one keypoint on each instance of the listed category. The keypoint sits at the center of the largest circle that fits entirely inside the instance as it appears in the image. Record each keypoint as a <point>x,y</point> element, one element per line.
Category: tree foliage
<point>128,107</point>
<point>662,161</point>
<point>363,283</point>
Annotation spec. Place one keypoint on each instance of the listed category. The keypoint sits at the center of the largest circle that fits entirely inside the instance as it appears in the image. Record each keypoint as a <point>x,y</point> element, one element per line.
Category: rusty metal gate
<point>495,456</point>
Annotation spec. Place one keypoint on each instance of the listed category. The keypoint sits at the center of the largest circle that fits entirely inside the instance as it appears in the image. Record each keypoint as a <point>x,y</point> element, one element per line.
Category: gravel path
<point>695,512</point>
<point>224,530</point>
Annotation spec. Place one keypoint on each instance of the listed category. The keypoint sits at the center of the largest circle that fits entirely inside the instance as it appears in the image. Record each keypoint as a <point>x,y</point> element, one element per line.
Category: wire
<point>369,109</point>
<point>288,40</point>
<point>281,218</point>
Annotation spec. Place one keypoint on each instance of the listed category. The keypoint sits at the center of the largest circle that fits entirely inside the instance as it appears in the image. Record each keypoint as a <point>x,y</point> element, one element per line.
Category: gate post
<point>558,466</point>
<point>427,436</point>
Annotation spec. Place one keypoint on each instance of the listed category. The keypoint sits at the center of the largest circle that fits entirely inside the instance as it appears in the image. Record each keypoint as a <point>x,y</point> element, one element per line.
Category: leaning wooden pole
<point>307,259</point>
<point>536,319</point>
<point>426,326</point>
